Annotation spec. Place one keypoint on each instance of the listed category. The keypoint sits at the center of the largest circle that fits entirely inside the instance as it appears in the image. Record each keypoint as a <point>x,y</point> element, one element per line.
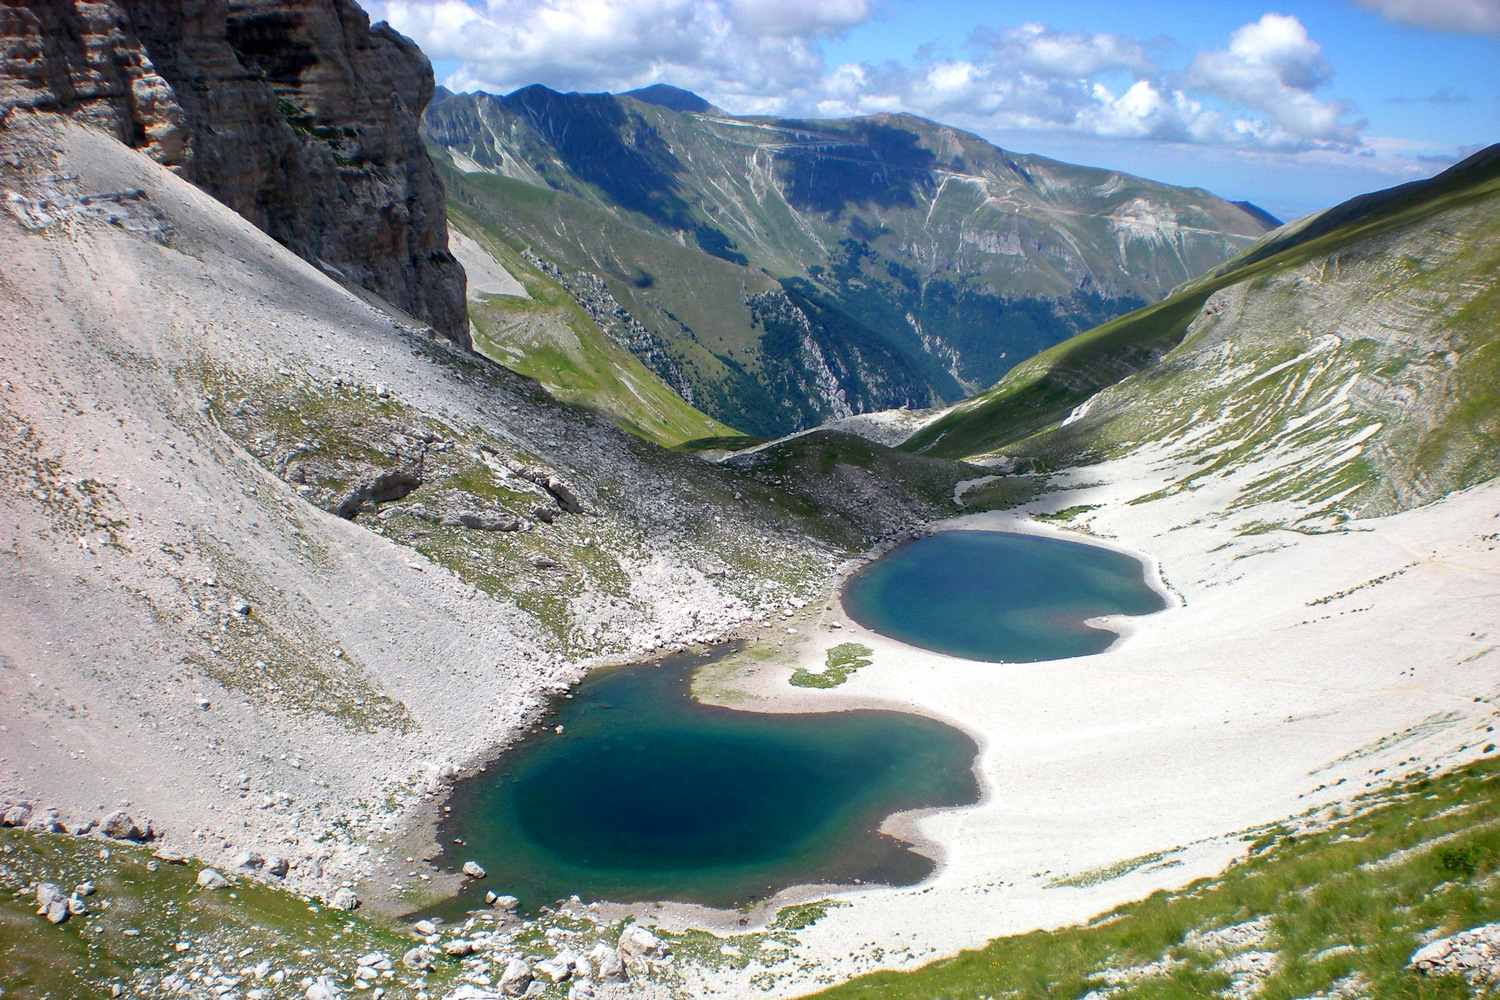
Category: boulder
<point>516,978</point>
<point>563,495</point>
<point>458,948</point>
<point>611,966</point>
<point>490,898</point>
<point>84,889</point>
<point>119,826</point>
<point>56,911</point>
<point>468,991</point>
<point>47,892</point>
<point>556,969</point>
<point>417,960</point>
<point>16,815</point>
<point>323,988</point>
<point>473,870</point>
<point>277,866</point>
<point>343,898</point>
<point>507,902</point>
<point>208,878</point>
<point>250,861</point>
<point>485,522</point>
<point>583,989</point>
<point>424,927</point>
<point>637,942</point>
<point>77,907</point>
<point>1431,953</point>
<point>46,822</point>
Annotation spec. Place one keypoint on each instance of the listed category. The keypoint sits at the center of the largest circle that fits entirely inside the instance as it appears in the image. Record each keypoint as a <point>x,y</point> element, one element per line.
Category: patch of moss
<point>840,663</point>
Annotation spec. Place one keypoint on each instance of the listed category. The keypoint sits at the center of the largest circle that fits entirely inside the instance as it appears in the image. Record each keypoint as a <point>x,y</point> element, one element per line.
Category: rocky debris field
<point>1473,954</point>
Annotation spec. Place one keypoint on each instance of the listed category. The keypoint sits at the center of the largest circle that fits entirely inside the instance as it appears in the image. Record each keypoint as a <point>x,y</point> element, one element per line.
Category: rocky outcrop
<point>296,113</point>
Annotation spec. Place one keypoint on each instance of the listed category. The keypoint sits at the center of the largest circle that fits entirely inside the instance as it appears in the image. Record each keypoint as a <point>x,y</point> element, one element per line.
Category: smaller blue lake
<point>650,794</point>
<point>999,596</point>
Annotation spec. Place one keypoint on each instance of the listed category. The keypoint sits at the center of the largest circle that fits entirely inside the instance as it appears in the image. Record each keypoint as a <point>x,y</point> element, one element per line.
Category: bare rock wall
<point>298,114</point>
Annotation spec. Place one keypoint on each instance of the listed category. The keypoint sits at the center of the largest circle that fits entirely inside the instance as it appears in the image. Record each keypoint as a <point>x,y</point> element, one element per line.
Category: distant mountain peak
<point>673,98</point>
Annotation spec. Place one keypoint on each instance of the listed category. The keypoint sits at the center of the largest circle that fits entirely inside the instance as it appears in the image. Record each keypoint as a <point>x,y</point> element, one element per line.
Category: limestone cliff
<point>296,113</point>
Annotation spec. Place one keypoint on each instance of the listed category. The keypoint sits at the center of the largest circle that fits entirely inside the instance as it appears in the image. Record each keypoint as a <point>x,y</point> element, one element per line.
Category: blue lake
<point>999,596</point>
<point>648,794</point>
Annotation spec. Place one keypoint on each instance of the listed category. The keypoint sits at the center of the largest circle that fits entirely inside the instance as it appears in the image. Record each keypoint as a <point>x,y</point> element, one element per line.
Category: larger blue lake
<point>649,794</point>
<point>999,596</point>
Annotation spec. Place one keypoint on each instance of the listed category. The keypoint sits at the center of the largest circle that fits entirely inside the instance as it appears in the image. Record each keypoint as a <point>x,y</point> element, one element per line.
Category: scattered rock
<point>343,898</point>
<point>516,978</point>
<point>583,989</point>
<point>1473,954</point>
<point>473,869</point>
<point>208,878</point>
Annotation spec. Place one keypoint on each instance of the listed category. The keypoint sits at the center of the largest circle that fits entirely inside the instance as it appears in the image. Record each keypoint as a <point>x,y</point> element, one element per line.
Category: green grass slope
<point>1330,905</point>
<point>1354,362</point>
<point>728,339</point>
<point>548,337</point>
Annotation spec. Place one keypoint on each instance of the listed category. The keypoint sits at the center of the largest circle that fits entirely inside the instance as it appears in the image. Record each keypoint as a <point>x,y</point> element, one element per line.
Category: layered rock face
<point>296,113</point>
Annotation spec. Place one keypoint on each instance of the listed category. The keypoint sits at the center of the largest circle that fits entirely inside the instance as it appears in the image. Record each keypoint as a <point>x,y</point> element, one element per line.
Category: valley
<point>326,589</point>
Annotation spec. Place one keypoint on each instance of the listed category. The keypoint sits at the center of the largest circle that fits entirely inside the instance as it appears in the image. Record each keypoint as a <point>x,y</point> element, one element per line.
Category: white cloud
<point>1272,66</point>
<point>766,57</point>
<point>783,18</point>
<point>1473,16</point>
<point>734,46</point>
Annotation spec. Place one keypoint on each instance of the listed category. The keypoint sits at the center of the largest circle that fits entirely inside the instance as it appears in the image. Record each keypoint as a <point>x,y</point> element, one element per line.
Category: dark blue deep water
<point>991,595</point>
<point>648,794</point>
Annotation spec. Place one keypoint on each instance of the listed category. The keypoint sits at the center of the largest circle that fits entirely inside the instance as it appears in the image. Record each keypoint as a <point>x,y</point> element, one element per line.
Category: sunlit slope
<point>1357,365</point>
<point>1331,904</point>
<point>547,336</point>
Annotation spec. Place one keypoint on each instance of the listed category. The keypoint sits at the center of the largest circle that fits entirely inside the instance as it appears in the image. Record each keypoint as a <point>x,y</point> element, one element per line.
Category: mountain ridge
<point>947,258</point>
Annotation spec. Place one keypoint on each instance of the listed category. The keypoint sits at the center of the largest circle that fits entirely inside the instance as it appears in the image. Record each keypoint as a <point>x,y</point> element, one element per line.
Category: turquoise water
<point>997,596</point>
<point>648,794</point>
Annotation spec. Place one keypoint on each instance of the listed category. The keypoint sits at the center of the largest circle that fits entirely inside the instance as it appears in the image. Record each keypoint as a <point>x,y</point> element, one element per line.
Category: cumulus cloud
<point>1470,16</point>
<point>1272,66</point>
<point>728,45</point>
<point>767,57</point>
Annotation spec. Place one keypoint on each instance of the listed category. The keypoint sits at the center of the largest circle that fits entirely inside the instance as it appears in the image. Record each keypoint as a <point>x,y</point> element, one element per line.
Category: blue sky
<point>1292,105</point>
